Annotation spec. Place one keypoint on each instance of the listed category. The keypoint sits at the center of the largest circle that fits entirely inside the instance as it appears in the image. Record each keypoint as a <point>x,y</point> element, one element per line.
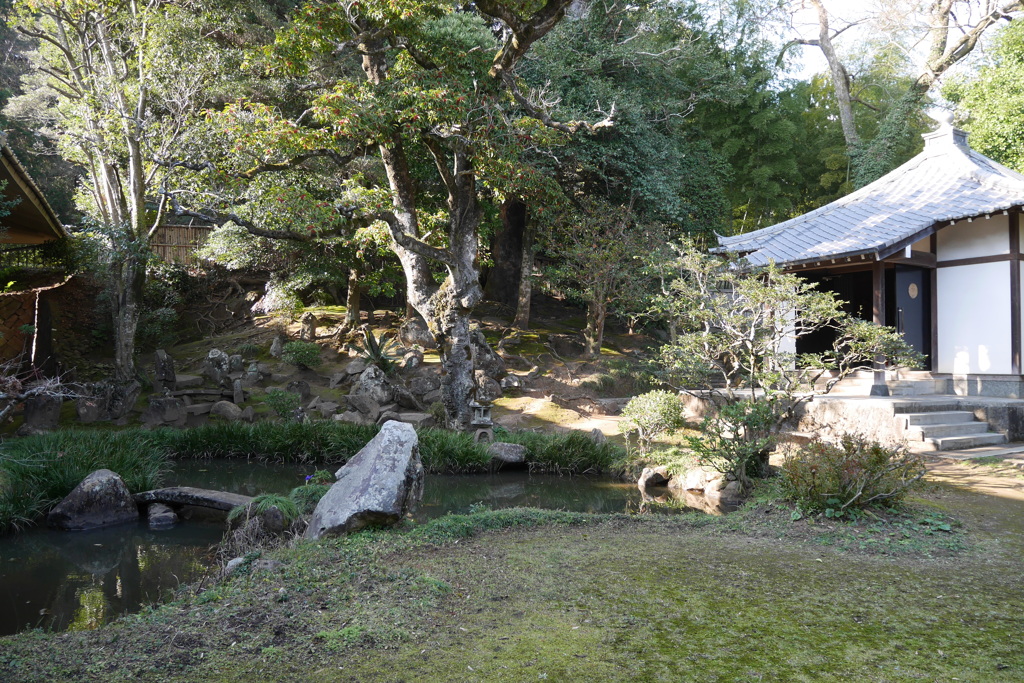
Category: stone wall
<point>72,312</point>
<point>831,418</point>
<point>16,310</point>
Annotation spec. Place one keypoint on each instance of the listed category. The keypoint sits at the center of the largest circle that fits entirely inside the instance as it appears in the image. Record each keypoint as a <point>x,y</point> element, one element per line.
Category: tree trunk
<point>840,79</point>
<point>593,336</point>
<point>128,278</point>
<point>522,321</point>
<point>352,297</point>
<point>503,277</point>
<point>445,309</point>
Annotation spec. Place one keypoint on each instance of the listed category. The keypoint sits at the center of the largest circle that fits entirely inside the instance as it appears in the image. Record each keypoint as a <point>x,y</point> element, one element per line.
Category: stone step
<point>935,431</point>
<point>861,386</point>
<point>909,407</point>
<point>952,443</point>
<point>938,417</point>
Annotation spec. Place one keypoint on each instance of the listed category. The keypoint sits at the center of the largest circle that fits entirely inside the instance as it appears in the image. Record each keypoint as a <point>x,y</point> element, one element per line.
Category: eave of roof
<point>946,182</point>
<point>32,219</point>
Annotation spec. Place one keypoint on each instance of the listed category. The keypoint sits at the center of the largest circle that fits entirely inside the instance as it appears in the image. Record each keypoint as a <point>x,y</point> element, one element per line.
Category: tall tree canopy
<point>439,108</point>
<point>124,82</point>
<point>991,104</point>
<point>946,30</point>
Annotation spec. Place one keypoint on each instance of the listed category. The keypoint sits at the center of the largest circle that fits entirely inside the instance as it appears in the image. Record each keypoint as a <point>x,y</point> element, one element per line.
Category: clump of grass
<point>312,442</point>
<point>38,471</point>
<point>445,452</point>
<point>602,384</point>
<point>306,497</point>
<point>248,350</point>
<point>263,504</point>
<point>570,453</point>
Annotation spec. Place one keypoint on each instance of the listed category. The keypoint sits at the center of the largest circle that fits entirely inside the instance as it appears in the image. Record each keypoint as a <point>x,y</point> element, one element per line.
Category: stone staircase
<point>944,428</point>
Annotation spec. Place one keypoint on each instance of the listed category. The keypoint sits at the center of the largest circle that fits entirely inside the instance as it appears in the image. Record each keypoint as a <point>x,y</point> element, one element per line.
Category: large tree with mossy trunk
<point>428,93</point>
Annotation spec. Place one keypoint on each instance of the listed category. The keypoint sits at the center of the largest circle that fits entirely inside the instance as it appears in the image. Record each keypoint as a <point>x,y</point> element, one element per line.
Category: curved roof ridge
<point>946,181</point>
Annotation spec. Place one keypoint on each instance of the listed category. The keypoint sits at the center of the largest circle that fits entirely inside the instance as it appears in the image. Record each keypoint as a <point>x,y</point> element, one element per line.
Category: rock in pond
<point>654,476</point>
<point>378,486</point>
<point>160,516</point>
<point>100,500</point>
<point>507,453</point>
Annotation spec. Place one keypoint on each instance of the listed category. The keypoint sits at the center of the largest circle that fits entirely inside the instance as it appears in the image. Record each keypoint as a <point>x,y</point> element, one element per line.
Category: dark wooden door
<point>913,308</point>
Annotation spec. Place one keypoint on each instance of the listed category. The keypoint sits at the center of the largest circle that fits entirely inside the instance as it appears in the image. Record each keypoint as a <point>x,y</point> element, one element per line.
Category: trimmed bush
<point>652,414</point>
<point>301,353</point>
<point>851,474</point>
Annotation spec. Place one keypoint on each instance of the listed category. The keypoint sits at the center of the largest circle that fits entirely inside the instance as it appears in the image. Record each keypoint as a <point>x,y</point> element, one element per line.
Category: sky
<point>841,12</point>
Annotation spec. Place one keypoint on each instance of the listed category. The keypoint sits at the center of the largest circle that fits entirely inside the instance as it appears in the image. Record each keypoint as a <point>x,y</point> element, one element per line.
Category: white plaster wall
<point>981,237</point>
<point>974,319</point>
<point>924,244</point>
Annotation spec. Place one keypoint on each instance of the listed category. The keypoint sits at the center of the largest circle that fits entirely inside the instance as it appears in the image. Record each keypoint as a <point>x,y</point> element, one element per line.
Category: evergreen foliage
<point>990,105</point>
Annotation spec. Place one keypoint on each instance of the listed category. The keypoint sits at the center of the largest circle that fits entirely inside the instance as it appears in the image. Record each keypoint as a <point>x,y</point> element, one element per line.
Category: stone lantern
<point>481,424</point>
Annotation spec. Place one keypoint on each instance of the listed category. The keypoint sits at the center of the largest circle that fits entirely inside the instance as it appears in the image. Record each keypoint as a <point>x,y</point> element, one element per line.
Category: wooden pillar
<point>1015,316</point>
<point>933,275</point>
<point>878,385</point>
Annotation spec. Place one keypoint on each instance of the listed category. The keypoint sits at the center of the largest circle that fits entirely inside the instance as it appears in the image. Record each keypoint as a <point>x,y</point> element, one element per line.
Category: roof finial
<point>943,117</point>
<point>945,133</point>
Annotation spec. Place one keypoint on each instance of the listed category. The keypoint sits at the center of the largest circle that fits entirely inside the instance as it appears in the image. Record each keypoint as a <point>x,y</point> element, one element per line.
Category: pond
<point>80,580</point>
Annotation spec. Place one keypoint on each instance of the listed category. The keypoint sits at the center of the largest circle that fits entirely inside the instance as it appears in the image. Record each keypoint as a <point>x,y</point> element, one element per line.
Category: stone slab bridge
<point>177,496</point>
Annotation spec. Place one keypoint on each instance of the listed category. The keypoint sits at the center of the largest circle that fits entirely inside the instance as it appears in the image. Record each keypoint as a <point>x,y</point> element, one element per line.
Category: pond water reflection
<point>442,494</point>
<point>76,580</point>
<point>79,580</point>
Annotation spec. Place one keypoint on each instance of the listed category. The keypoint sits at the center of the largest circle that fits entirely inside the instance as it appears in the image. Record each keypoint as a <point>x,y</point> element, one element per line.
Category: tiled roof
<point>32,219</point>
<point>946,182</point>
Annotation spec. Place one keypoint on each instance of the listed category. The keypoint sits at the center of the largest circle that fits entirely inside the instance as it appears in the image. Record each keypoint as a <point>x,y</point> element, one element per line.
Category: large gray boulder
<point>227,410</point>
<point>378,486</point>
<point>424,385</point>
<point>163,370</point>
<point>216,366</point>
<point>507,453</point>
<point>414,332</point>
<point>374,385</point>
<point>42,414</point>
<point>122,398</point>
<point>484,357</point>
<point>164,410</point>
<point>101,499</point>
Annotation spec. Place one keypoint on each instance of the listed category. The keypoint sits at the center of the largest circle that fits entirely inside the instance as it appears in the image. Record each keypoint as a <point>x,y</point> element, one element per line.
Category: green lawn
<point>530,595</point>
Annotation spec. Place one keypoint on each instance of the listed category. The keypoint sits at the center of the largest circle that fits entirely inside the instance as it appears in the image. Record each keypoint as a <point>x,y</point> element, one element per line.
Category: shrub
<point>851,474</point>
<point>651,415</point>
<point>301,353</point>
<point>437,412</point>
<point>284,403</point>
<point>737,439</point>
